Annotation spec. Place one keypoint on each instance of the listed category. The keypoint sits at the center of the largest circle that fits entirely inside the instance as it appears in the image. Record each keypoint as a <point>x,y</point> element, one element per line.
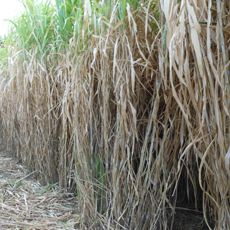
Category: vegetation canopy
<point>125,103</point>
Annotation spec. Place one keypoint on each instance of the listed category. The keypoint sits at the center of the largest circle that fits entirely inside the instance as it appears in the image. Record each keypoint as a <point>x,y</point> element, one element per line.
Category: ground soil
<point>189,219</point>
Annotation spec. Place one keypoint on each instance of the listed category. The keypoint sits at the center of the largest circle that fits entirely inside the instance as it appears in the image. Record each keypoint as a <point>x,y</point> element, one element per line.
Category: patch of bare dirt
<point>189,219</point>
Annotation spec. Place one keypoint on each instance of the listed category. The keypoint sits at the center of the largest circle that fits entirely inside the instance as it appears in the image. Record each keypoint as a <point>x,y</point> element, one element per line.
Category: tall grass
<point>114,99</point>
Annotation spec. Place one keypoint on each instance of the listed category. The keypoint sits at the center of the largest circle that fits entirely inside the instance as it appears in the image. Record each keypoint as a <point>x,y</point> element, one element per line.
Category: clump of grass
<point>113,99</point>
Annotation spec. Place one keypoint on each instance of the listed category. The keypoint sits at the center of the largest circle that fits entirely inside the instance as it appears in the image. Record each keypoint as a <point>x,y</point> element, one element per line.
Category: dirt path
<point>25,204</point>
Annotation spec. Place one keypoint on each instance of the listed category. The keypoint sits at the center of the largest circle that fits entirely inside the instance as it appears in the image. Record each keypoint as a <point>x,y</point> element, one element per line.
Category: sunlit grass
<point>112,99</point>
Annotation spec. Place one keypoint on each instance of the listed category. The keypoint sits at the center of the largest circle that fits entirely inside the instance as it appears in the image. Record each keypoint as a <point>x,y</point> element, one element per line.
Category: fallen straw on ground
<point>25,204</point>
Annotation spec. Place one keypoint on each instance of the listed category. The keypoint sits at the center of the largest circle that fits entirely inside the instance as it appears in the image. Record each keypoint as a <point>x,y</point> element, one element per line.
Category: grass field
<point>125,103</point>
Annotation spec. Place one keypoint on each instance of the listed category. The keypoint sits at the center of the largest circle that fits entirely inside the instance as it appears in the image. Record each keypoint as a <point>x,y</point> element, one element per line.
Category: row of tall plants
<point>119,100</point>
